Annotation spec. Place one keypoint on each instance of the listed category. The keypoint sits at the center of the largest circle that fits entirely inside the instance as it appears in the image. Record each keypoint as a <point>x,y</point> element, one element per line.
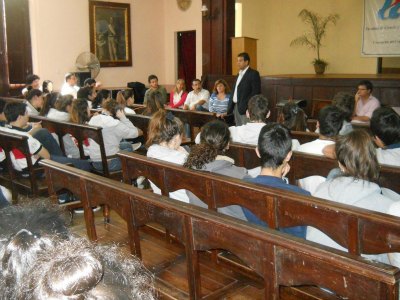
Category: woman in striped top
<point>220,98</point>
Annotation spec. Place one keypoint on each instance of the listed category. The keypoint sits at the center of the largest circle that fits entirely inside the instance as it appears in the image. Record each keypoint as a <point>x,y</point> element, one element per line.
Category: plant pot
<point>319,68</point>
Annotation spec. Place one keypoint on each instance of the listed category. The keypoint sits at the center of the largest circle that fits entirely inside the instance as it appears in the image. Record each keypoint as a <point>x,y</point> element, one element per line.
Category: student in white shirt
<point>69,87</point>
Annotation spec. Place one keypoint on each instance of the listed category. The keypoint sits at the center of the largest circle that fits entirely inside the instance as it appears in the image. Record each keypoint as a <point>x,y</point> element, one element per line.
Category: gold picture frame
<point>110,33</point>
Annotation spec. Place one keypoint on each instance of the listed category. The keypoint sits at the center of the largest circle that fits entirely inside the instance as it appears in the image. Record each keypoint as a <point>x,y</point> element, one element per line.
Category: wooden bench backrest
<point>141,122</point>
<point>10,141</point>
<point>303,136</point>
<point>304,165</point>
<point>244,155</point>
<point>278,208</point>
<point>278,258</point>
<point>80,132</point>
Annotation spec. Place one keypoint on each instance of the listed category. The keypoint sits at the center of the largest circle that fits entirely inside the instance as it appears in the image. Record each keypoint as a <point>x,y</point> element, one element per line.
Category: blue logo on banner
<point>391,6</point>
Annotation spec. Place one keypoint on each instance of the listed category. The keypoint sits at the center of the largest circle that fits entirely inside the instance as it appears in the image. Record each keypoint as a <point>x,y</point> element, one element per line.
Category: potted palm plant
<point>313,39</point>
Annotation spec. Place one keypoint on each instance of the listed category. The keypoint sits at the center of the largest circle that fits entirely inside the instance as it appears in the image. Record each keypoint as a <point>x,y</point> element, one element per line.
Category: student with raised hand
<point>385,126</point>
<point>116,127</point>
<point>354,185</point>
<point>210,156</point>
<point>274,149</point>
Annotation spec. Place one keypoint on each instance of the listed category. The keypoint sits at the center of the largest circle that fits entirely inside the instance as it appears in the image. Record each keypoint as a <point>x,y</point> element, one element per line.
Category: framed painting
<point>110,33</point>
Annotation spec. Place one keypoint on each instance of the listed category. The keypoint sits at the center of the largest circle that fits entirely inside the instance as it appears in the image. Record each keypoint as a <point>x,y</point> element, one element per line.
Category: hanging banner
<point>381,28</point>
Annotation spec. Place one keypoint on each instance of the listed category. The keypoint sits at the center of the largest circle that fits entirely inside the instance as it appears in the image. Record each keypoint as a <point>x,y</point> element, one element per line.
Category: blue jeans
<point>114,164</point>
<point>299,231</point>
<point>78,163</point>
<point>48,141</point>
<point>201,108</point>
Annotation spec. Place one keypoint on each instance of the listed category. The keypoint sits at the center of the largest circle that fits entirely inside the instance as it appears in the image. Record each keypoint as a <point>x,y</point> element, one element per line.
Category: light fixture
<point>204,10</point>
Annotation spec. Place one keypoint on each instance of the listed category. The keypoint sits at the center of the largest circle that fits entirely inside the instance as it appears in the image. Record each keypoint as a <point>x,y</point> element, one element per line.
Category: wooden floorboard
<point>168,263</point>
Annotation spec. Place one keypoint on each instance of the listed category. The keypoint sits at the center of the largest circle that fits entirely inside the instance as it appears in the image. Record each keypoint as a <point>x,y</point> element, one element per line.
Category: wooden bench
<point>284,263</point>
<point>244,155</point>
<point>303,165</point>
<point>303,136</point>
<point>80,133</point>
<point>141,122</point>
<point>33,184</point>
<point>278,208</point>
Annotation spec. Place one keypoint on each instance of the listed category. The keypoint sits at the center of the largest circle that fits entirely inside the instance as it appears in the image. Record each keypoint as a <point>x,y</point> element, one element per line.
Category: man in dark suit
<point>248,84</point>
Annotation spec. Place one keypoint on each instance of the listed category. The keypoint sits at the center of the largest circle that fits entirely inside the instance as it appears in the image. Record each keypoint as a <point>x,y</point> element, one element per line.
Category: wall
<point>275,24</point>
<point>60,31</point>
<point>175,21</point>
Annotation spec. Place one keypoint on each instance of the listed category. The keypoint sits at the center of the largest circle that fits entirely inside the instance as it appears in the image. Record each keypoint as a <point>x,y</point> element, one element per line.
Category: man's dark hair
<point>385,124</point>
<point>258,108</point>
<point>274,144</point>
<point>33,93</point>
<point>31,78</point>
<point>89,82</point>
<point>345,102</point>
<point>245,56</point>
<point>85,92</point>
<point>196,80</point>
<point>330,120</point>
<point>367,84</point>
<point>151,77</point>
<point>13,110</point>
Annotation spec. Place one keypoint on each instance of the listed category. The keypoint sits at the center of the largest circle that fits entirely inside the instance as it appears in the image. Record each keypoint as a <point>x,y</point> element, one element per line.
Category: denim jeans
<point>78,163</point>
<point>48,141</point>
<point>114,164</point>
<point>299,231</point>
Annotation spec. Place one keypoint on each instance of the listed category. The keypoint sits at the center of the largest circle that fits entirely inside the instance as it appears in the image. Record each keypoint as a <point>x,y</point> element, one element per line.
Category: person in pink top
<point>365,102</point>
<point>178,95</point>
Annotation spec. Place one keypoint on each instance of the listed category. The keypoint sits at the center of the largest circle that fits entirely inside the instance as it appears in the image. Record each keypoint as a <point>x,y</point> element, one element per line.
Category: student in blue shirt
<point>274,149</point>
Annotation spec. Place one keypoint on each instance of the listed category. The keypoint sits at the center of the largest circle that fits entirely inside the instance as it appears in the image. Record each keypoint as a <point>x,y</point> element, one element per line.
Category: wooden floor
<point>166,260</point>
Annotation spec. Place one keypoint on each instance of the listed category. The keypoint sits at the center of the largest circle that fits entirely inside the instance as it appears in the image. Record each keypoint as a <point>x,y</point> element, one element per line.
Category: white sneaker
<point>136,146</point>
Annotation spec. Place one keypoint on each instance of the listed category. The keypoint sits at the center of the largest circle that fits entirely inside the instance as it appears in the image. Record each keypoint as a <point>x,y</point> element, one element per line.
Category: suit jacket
<point>249,86</point>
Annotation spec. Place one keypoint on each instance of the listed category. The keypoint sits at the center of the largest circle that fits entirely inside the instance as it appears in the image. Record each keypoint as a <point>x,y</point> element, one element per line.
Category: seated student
<point>17,117</point>
<point>32,83</point>
<point>154,103</point>
<point>198,98</point>
<point>77,269</point>
<point>257,113</point>
<point>365,103</point>
<point>164,143</point>
<point>345,102</point>
<point>126,99</point>
<point>69,87</point>
<point>90,82</point>
<point>293,117</point>
<point>48,103</point>
<point>394,258</point>
<point>219,99</point>
<point>116,127</point>
<point>274,149</point>
<point>330,120</point>
<point>101,96</point>
<point>356,156</point>
<point>47,87</point>
<point>385,126</point>
<point>209,156</point>
<point>155,87</point>
<point>87,93</point>
<point>25,231</point>
<point>178,95</point>
<point>34,102</point>
<point>62,112</point>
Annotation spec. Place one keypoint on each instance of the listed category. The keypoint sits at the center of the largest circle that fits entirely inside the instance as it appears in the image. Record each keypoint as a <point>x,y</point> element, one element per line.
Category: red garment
<point>180,103</point>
